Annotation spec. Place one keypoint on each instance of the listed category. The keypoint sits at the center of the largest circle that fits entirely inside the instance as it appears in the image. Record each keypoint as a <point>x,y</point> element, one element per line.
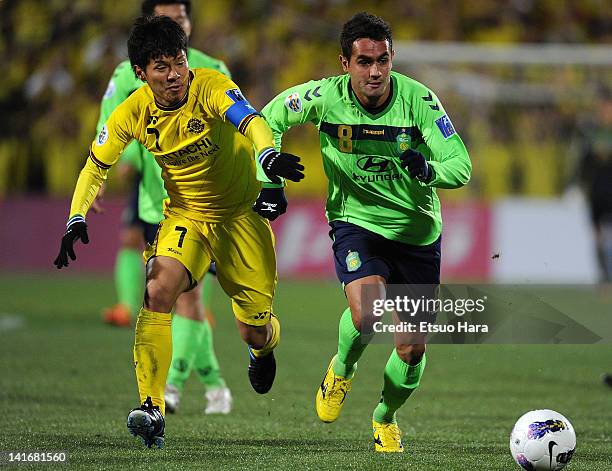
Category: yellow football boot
<point>331,394</point>
<point>387,438</point>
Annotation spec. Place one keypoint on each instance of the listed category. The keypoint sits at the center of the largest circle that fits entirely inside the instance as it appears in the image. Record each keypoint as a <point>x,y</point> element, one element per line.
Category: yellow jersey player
<point>202,131</point>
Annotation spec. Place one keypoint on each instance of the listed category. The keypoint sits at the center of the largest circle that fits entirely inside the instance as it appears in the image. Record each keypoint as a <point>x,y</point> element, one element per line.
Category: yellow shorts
<point>243,249</point>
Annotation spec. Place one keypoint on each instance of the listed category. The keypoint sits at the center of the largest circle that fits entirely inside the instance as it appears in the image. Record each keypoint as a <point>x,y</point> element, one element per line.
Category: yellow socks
<point>272,342</point>
<point>152,355</point>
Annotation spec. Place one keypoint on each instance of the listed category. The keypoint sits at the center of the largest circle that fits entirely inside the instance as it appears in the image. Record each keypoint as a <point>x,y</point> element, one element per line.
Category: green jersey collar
<point>353,98</point>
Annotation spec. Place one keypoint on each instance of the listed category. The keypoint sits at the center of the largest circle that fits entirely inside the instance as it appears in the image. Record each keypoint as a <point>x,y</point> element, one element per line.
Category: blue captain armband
<point>241,112</point>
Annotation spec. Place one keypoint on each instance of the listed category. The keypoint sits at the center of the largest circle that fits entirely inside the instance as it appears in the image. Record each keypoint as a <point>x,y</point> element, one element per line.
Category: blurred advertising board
<point>512,240</point>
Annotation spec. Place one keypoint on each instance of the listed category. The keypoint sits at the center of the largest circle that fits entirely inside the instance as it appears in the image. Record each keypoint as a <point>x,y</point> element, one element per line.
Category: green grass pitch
<point>67,383</point>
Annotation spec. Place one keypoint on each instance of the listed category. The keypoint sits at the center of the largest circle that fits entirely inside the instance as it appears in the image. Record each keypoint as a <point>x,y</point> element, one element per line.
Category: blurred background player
<point>594,171</point>
<point>377,123</point>
<point>191,330</point>
<point>594,174</point>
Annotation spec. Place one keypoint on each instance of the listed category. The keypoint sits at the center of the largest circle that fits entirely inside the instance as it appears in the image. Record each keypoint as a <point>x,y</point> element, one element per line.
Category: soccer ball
<point>542,440</point>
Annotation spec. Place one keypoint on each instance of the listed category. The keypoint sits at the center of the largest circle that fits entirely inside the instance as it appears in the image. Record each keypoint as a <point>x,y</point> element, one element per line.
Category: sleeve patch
<point>235,95</point>
<point>294,103</point>
<point>110,90</point>
<point>445,126</point>
<point>103,136</point>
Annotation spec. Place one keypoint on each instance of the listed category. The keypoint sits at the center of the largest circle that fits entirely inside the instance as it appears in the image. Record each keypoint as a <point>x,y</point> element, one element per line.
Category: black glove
<point>278,164</point>
<point>76,230</point>
<point>270,203</point>
<point>417,165</point>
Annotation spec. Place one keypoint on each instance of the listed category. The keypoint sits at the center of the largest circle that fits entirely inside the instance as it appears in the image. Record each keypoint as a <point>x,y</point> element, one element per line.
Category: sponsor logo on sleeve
<point>103,136</point>
<point>262,315</point>
<point>293,103</point>
<point>235,95</point>
<point>445,126</point>
<point>110,90</point>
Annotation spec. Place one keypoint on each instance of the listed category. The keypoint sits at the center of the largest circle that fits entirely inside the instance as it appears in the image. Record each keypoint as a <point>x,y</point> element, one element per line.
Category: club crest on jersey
<point>235,95</point>
<point>293,103</point>
<point>445,126</point>
<point>195,126</point>
<point>403,141</point>
<point>103,136</point>
<point>353,262</point>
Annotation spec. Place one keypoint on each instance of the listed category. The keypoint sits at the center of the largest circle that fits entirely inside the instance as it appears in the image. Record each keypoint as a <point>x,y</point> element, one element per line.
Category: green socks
<point>401,379</point>
<point>350,347</point>
<point>206,364</point>
<point>193,348</point>
<point>186,339</point>
<point>207,287</point>
<point>129,279</point>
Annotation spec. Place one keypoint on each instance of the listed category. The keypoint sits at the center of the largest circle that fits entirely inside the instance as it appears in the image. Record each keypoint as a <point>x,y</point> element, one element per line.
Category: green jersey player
<point>387,144</point>
<point>191,332</point>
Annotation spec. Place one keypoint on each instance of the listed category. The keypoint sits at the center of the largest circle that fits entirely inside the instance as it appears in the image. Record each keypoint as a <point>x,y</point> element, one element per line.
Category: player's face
<point>168,78</point>
<point>369,67</point>
<point>176,12</point>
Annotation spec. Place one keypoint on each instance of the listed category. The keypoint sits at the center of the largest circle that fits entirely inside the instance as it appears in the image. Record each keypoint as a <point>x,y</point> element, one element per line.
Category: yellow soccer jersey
<point>207,165</point>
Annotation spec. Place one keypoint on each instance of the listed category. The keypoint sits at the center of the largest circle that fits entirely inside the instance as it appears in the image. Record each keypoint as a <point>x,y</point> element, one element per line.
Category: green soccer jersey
<point>151,192</point>
<point>361,153</point>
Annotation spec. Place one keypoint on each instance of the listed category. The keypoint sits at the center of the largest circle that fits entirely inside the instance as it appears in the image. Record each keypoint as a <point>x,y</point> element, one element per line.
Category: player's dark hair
<point>148,6</point>
<point>363,25</point>
<point>153,37</point>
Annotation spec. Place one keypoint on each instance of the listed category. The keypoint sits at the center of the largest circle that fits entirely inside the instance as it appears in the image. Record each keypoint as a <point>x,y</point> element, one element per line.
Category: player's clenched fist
<point>271,203</point>
<point>77,229</point>
<point>279,164</point>
<point>417,165</point>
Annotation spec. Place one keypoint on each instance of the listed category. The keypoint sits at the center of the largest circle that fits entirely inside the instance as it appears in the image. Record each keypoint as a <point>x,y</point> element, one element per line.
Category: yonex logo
<point>261,315</point>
